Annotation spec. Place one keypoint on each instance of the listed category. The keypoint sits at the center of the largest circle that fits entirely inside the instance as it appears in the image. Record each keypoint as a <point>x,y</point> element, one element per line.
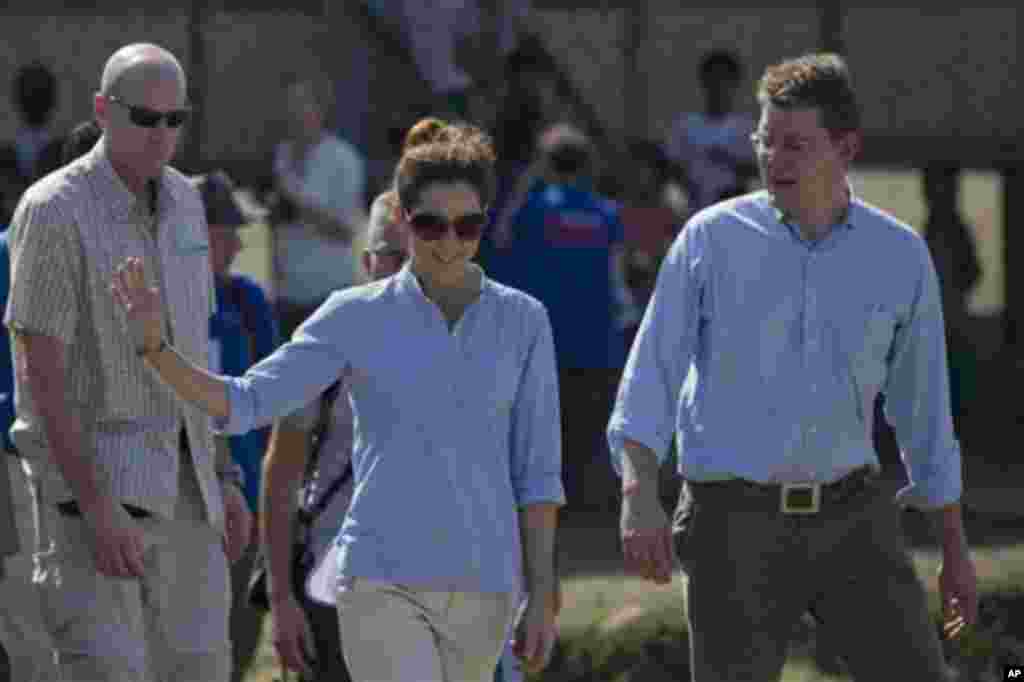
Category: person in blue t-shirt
<point>243,331</point>
<point>6,368</point>
<point>563,243</point>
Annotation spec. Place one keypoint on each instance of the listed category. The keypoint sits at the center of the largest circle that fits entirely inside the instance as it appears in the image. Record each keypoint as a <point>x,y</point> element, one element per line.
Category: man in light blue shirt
<point>777,319</point>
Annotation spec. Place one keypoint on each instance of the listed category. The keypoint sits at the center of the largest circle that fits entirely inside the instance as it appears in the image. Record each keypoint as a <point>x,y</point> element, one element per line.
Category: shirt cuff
<point>240,412</point>
<point>621,429</point>
<point>932,493</point>
<point>549,489</point>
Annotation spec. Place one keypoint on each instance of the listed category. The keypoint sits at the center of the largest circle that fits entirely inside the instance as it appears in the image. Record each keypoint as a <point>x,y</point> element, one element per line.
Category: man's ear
<point>850,145</point>
<point>100,109</point>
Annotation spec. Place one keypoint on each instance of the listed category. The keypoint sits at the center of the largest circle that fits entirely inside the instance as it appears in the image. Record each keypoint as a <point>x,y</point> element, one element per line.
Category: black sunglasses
<point>148,118</point>
<point>430,227</point>
<point>389,252</point>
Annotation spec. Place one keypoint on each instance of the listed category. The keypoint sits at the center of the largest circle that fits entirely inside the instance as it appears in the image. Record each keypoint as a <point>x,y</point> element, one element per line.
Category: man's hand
<point>237,522</point>
<point>958,588</point>
<point>646,536</point>
<point>536,632</point>
<point>958,582</point>
<point>293,638</point>
<point>116,540</point>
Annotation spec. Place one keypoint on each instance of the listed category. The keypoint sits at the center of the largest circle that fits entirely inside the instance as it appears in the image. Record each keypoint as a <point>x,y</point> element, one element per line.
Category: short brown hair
<point>817,81</point>
<point>436,151</point>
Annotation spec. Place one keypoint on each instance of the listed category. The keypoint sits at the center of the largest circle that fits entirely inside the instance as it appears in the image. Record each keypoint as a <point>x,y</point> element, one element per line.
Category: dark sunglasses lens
<point>428,227</point>
<point>470,227</point>
<point>176,119</point>
<point>145,118</point>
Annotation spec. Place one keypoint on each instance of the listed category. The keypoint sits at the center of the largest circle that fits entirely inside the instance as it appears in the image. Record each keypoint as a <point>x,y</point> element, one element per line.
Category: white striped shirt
<point>69,233</point>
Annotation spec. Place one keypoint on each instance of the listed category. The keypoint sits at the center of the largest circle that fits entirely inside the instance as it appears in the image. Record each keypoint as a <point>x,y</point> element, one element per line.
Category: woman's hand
<point>536,631</point>
<point>141,303</point>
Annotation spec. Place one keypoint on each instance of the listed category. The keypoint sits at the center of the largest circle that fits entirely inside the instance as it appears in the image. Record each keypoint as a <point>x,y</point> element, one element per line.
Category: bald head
<point>141,83</point>
<point>139,63</point>
<point>383,228</point>
<point>386,238</point>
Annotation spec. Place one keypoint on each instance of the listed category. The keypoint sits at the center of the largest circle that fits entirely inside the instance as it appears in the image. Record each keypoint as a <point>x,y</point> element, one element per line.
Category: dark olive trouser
<point>753,572</point>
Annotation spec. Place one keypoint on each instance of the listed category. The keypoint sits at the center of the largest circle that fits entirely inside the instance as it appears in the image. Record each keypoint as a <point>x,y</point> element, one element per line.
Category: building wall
<point>962,83</point>
<point>636,66</point>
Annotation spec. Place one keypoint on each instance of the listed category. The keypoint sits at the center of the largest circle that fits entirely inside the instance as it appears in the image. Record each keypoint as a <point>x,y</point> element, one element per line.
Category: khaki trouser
<point>22,632</point>
<point>170,625</point>
<point>753,572</point>
<point>396,633</point>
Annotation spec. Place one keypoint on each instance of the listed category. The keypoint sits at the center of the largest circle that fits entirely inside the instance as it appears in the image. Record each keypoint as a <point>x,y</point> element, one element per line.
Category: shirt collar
<point>408,284</point>
<point>845,219</point>
<point>120,200</point>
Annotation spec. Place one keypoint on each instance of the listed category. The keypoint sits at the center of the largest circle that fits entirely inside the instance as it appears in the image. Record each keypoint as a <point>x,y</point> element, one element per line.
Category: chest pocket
<point>867,340</point>
<point>879,330</point>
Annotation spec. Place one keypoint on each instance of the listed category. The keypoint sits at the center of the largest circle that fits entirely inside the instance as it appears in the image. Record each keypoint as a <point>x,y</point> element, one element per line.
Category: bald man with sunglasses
<point>139,512</point>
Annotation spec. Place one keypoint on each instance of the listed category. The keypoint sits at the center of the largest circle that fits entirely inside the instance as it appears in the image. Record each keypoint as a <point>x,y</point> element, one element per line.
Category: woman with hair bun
<point>457,455</point>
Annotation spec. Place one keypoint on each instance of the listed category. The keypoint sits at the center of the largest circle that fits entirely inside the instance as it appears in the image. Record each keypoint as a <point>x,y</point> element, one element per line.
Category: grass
<point>600,610</point>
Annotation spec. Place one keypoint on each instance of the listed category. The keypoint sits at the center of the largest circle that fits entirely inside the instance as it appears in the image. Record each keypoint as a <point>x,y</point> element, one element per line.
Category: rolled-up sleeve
<point>646,404</point>
<point>292,376</point>
<point>536,424</point>
<point>46,273</point>
<point>918,401</point>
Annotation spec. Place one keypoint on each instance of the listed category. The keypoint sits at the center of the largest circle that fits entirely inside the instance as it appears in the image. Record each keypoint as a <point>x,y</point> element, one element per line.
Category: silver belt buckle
<point>801,498</point>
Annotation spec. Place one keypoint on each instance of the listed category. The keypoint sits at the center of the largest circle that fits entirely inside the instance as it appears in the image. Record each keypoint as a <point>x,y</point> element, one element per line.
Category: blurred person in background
<point>306,632</point>
<point>458,46</point>
<point>80,141</point>
<point>524,106</point>
<point>319,181</point>
<point>713,145</point>
<point>243,331</point>
<point>650,219</point>
<point>36,149</point>
<point>564,244</point>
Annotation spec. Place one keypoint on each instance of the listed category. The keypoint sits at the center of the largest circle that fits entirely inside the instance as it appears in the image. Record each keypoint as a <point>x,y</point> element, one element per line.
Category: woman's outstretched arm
<point>143,308</point>
<point>291,377</point>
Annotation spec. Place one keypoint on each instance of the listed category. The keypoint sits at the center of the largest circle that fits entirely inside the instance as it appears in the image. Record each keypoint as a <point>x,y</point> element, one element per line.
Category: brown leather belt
<point>803,498</point>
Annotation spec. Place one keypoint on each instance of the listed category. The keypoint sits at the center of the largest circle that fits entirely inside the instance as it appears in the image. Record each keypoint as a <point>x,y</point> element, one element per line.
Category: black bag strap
<point>309,510</point>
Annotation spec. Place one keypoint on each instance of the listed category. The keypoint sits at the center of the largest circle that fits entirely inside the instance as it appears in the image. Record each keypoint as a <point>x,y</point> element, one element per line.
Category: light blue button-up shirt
<point>454,430</point>
<point>763,353</point>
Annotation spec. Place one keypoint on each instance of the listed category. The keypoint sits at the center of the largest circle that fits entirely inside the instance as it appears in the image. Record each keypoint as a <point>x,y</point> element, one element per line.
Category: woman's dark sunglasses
<point>430,227</point>
<point>148,118</point>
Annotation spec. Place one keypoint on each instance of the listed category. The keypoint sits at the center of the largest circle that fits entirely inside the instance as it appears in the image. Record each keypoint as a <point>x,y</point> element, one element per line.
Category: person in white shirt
<point>320,179</point>
<point>305,629</point>
<point>713,146</point>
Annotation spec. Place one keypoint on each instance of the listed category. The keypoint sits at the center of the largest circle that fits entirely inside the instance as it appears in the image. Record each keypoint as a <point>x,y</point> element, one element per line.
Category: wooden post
<point>831,26</point>
<point>199,10</point>
<point>637,114</point>
<point>1013,277</point>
